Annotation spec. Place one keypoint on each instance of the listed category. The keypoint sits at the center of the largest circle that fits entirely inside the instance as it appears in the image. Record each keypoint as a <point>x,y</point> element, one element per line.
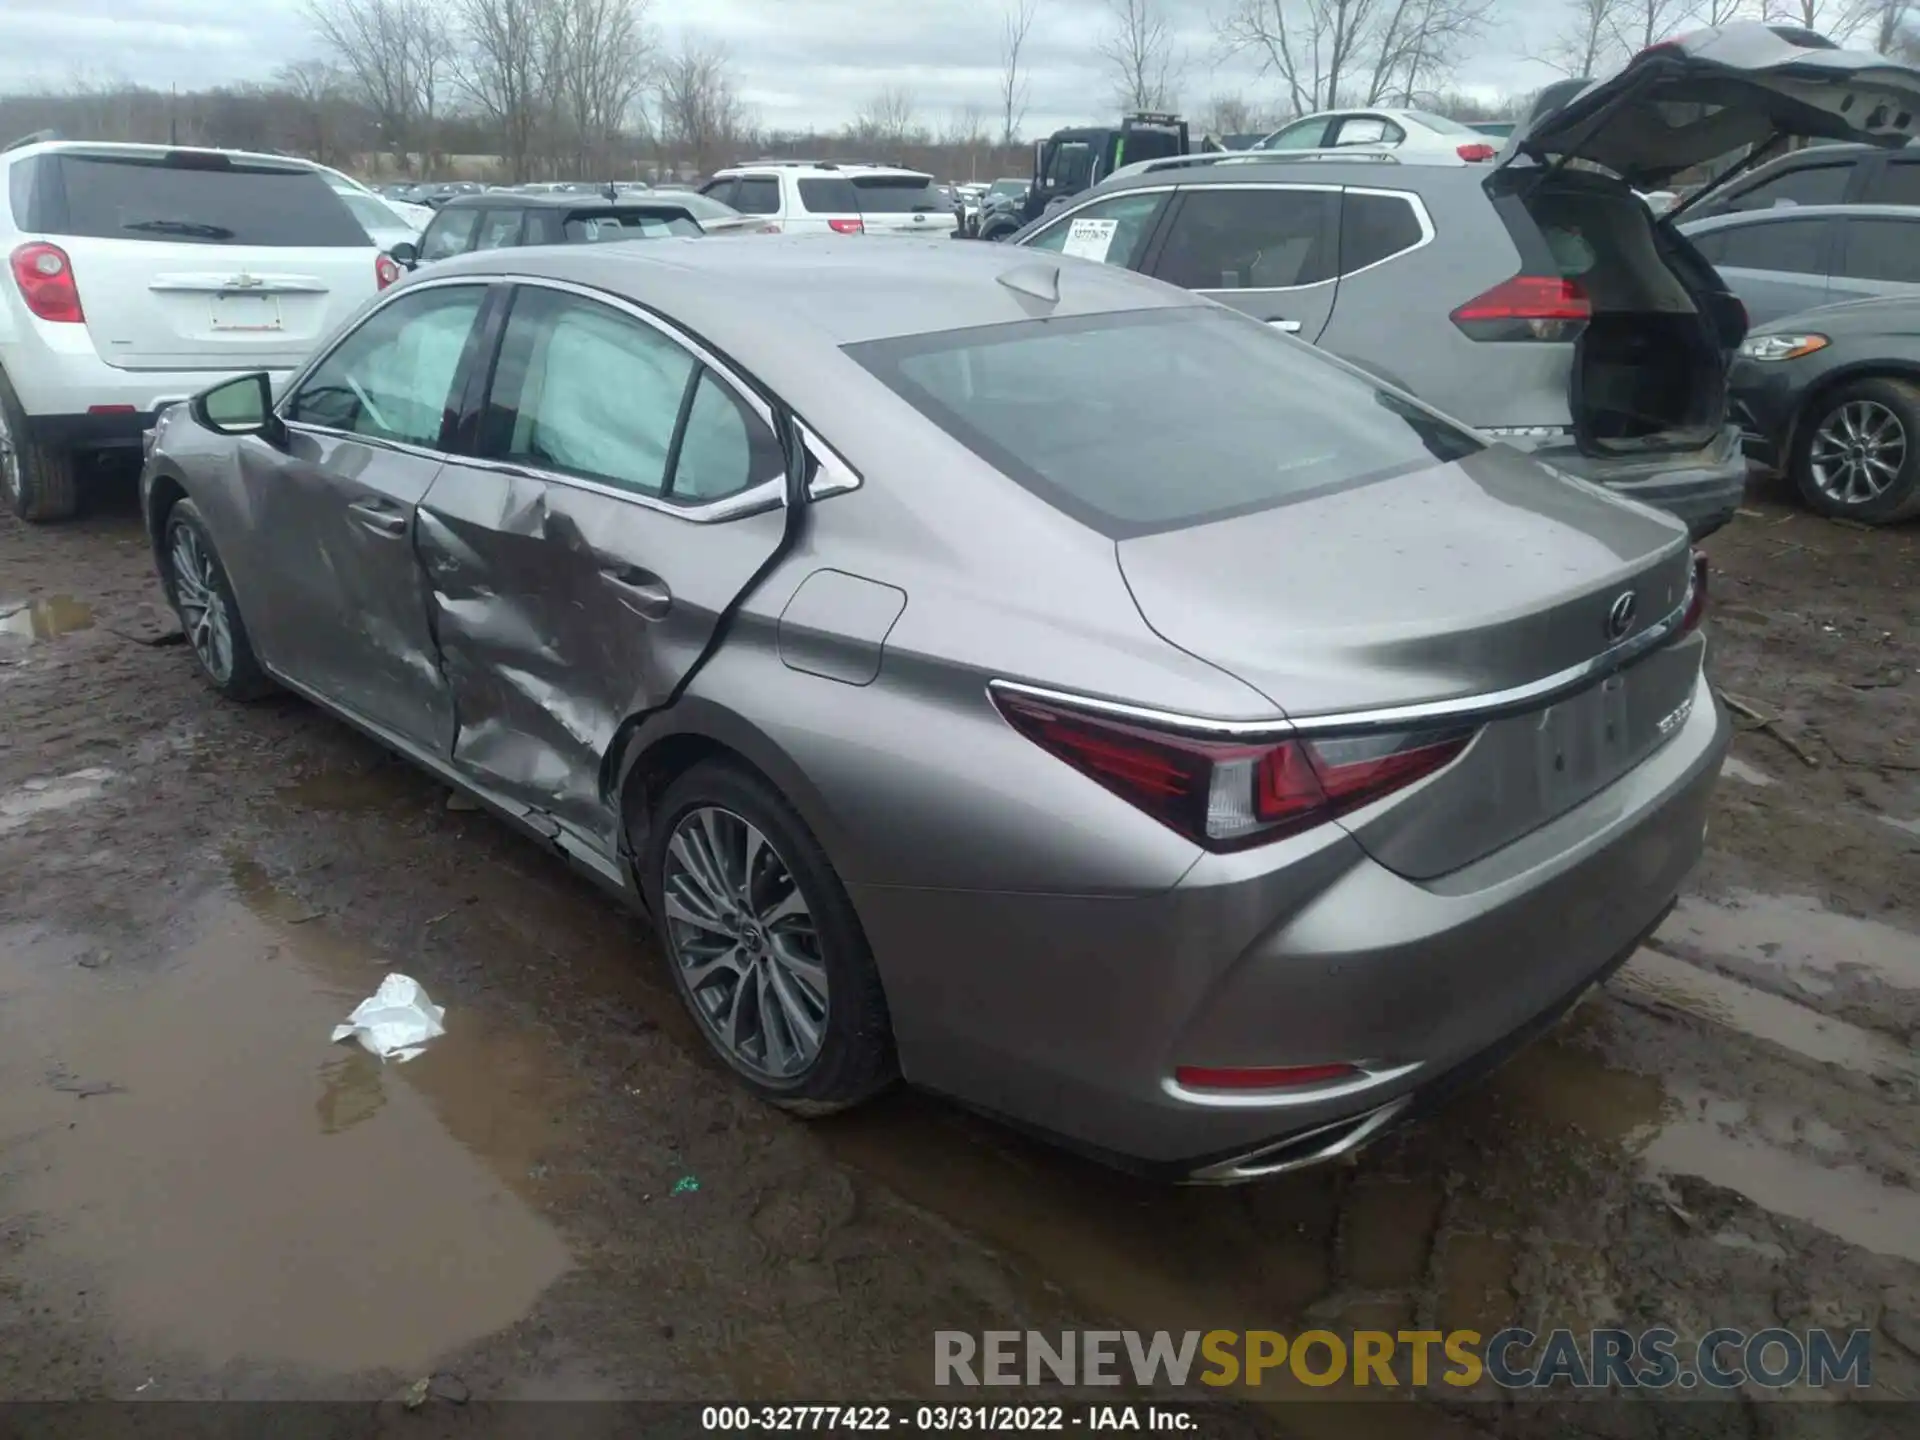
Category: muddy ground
<point>200,1197</point>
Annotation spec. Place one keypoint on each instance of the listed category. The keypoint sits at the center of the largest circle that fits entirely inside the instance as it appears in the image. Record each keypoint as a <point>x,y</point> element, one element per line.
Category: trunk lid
<point>1467,579</point>
<point>1702,95</point>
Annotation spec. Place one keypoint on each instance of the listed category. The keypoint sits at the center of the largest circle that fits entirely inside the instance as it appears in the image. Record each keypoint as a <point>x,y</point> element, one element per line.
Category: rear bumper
<point>1069,1014</point>
<point>1702,488</point>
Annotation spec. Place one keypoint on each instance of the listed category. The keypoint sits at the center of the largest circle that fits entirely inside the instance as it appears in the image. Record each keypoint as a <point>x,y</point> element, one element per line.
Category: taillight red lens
<point>1526,307</point>
<point>1479,151</point>
<point>847,227</point>
<point>45,277</point>
<point>1260,1077</point>
<point>1227,795</point>
<point>1696,609</point>
<point>386,270</point>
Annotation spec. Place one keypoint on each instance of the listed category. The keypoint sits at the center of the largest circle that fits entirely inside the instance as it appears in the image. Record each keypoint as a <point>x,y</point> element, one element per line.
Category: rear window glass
<point>1122,421</point>
<point>143,200</point>
<point>628,226</point>
<point>896,194</point>
<point>829,195</point>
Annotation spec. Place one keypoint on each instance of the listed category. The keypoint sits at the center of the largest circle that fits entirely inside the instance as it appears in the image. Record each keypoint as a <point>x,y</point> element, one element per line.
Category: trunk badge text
<point>1620,616</point>
<point>1671,723</point>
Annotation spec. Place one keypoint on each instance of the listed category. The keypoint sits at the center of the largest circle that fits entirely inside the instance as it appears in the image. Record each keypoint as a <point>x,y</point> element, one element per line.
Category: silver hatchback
<point>1022,677</point>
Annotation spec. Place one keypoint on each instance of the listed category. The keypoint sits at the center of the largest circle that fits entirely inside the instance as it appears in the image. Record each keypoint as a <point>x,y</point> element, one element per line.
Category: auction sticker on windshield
<point>1090,239</point>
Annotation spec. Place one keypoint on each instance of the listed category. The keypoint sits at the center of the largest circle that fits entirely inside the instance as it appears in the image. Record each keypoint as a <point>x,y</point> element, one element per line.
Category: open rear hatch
<point>1700,96</point>
<point>1438,589</point>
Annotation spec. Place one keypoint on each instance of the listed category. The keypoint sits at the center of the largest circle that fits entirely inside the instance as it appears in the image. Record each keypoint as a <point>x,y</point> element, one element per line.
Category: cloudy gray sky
<point>798,61</point>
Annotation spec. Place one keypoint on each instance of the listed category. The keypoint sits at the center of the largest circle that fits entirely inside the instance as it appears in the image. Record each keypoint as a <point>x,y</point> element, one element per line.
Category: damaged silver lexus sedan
<point>1011,674</point>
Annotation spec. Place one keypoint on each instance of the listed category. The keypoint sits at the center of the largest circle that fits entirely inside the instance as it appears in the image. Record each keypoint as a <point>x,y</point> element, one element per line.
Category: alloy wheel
<point>745,943</point>
<point>203,611</point>
<point>1858,452</point>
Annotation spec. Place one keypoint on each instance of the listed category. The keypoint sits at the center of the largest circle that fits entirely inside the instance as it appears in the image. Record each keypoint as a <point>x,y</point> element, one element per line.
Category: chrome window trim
<point>1487,705</point>
<point>377,442</point>
<point>1419,205</point>
<point>764,495</point>
<point>834,476</point>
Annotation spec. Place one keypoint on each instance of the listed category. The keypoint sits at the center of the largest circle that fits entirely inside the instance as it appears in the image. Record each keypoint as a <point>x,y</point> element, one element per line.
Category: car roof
<point>1237,169</point>
<point>134,148</point>
<point>561,200</point>
<point>826,289</point>
<point>824,167</point>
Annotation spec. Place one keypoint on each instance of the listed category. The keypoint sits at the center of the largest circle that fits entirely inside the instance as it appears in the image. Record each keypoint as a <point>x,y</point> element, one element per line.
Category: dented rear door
<point>624,492</point>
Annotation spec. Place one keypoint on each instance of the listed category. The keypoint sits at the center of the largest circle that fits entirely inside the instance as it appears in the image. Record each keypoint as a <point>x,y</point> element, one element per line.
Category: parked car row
<point>1028,676</point>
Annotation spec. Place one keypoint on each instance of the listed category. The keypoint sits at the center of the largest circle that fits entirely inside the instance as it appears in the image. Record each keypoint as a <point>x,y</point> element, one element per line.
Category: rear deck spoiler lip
<point>1467,709</point>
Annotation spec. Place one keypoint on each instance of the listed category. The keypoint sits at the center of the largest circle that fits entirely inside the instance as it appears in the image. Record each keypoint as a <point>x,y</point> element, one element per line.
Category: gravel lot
<point>200,1197</point>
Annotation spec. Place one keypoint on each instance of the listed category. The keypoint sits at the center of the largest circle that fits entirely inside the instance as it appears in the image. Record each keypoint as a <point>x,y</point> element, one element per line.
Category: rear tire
<point>37,481</point>
<point>763,944</point>
<point>1857,453</point>
<point>196,584</point>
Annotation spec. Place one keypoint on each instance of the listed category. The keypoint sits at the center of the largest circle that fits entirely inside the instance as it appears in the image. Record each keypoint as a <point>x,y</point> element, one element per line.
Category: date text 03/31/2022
<point>935,1419</point>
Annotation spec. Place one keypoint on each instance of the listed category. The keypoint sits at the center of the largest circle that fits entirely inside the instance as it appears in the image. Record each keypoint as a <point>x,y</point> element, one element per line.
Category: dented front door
<point>624,495</point>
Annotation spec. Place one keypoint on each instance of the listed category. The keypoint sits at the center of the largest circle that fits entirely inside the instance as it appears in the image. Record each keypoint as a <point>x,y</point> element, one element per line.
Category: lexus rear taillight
<point>45,277</point>
<point>386,270</point>
<point>1226,794</point>
<point>847,227</point>
<point>1527,307</point>
<point>1696,610</point>
<point>1476,151</point>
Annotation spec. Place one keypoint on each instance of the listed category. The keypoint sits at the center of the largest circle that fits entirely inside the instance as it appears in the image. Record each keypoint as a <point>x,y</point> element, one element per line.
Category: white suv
<point>800,196</point>
<point>138,275</point>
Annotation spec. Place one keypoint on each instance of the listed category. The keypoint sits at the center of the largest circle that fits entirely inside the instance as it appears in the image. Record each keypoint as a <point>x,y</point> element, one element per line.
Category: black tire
<point>1822,429</point>
<point>855,1058</point>
<point>231,668</point>
<point>37,480</point>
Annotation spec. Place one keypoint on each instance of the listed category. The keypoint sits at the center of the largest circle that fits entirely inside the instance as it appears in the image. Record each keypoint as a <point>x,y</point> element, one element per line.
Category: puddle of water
<point>1734,768</point>
<point>1773,1018</point>
<point>1842,1200</point>
<point>46,619</point>
<point>252,1191</point>
<point>1796,935</point>
<point>350,791</point>
<point>58,792</point>
<point>1912,827</point>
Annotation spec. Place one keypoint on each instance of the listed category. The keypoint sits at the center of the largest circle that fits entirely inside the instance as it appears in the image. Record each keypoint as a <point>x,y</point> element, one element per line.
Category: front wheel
<point>1858,453</point>
<point>764,945</point>
<point>196,583</point>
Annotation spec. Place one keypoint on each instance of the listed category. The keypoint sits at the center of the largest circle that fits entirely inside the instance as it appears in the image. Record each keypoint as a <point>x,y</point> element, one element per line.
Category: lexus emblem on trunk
<point>1620,615</point>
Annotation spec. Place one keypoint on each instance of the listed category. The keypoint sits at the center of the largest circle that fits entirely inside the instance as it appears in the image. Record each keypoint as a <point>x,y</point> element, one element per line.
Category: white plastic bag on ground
<point>395,1022</point>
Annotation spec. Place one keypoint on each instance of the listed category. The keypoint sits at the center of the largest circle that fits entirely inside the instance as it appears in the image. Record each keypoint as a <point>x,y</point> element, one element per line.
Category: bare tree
<point>503,70</point>
<point>700,111</point>
<point>1141,56</point>
<point>393,53</point>
<point>1640,23</point>
<point>1587,39</point>
<point>1838,20</point>
<point>1716,13</point>
<point>1416,43</point>
<point>1315,47</point>
<point>601,57</point>
<point>1014,25</point>
<point>316,88</point>
<point>885,120</point>
<point>1231,115</point>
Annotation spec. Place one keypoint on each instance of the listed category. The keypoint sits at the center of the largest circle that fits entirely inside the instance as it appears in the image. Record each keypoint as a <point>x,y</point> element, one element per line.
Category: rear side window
<point>1250,239</point>
<point>1807,185</point>
<point>896,195</point>
<point>1122,420</point>
<point>721,190</point>
<point>450,234</point>
<point>1367,130</point>
<point>1374,227</point>
<point>1797,247</point>
<point>829,195</point>
<point>499,230</point>
<point>145,199</point>
<point>1882,250</point>
<point>757,195</point>
<point>1898,184</point>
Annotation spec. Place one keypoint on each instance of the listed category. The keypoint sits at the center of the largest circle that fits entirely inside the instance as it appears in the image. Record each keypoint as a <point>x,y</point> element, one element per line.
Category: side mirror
<point>240,406</point>
<point>406,254</point>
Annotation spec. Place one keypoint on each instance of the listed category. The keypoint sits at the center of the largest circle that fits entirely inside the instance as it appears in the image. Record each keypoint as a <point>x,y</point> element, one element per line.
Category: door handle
<point>1290,327</point>
<point>645,593</point>
<point>379,515</point>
